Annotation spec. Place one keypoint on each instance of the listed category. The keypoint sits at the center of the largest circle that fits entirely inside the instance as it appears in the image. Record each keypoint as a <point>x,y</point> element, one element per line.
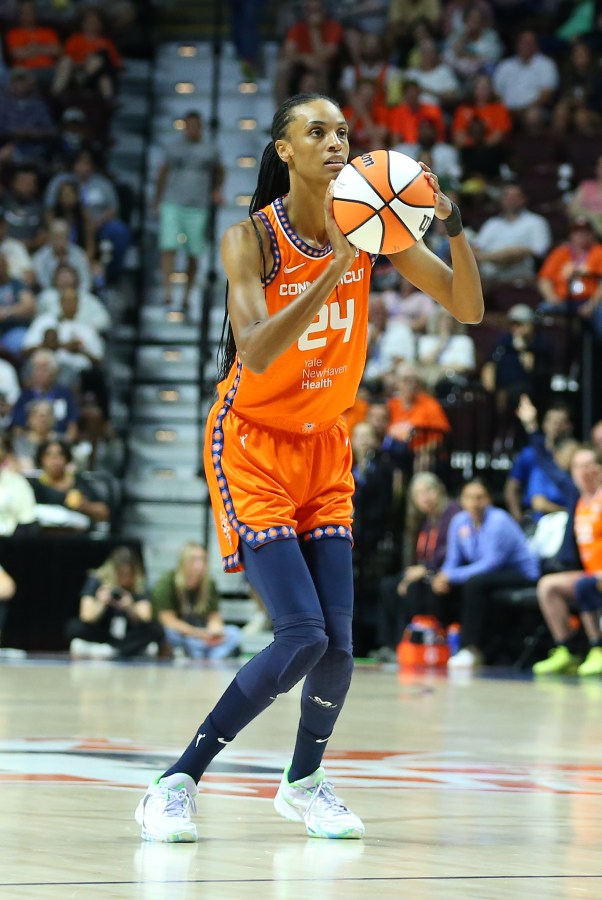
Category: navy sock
<point>221,726</point>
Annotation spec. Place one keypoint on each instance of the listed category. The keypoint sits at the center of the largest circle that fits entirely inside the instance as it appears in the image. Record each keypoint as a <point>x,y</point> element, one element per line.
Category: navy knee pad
<point>296,648</point>
<point>326,688</point>
<point>587,595</point>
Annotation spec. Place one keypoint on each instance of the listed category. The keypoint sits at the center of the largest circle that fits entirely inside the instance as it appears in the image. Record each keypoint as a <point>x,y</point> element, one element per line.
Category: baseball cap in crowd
<point>581,222</point>
<point>521,313</point>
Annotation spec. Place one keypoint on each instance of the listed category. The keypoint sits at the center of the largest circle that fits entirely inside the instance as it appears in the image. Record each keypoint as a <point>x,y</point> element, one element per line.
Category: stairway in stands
<point>166,500</point>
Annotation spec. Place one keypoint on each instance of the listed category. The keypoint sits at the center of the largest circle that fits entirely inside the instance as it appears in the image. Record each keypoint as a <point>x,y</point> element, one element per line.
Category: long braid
<point>272,181</point>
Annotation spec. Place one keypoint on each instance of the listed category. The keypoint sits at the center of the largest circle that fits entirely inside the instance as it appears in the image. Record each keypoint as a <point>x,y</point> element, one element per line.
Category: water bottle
<point>453,639</point>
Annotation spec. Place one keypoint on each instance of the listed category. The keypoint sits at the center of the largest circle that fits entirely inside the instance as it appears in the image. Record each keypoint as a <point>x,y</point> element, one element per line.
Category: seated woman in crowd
<point>403,596</point>
<point>90,59</point>
<point>486,550</point>
<point>65,500</point>
<point>69,207</point>
<point>186,603</point>
<point>115,614</point>
<point>581,588</point>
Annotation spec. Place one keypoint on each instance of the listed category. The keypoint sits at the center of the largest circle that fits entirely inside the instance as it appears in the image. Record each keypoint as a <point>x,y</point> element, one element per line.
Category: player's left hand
<point>443,205</point>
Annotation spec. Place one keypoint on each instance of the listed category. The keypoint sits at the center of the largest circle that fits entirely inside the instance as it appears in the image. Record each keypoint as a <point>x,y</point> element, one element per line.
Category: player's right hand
<point>343,252</point>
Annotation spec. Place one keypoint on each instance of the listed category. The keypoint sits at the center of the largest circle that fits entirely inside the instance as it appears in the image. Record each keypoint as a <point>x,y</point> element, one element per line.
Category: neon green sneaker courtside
<point>592,664</point>
<point>560,661</point>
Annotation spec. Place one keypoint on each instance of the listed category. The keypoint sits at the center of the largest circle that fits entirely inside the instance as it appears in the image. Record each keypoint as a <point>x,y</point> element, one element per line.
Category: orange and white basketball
<point>383,202</point>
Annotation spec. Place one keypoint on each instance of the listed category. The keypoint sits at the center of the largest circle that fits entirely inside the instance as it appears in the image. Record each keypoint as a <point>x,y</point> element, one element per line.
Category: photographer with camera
<point>115,617</point>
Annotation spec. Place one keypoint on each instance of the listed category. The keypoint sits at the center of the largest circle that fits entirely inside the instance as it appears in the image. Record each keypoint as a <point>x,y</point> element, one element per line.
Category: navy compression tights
<point>308,591</point>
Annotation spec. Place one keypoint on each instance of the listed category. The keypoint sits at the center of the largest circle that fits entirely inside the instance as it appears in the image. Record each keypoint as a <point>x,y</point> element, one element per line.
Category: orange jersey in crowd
<point>19,38</point>
<point>494,116</point>
<point>426,415</point>
<point>558,267</point>
<point>588,532</point>
<point>313,382</point>
<point>79,47</point>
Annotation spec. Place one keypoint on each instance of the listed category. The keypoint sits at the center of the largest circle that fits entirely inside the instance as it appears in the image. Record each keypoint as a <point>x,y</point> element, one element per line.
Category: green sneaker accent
<point>559,662</point>
<point>314,778</point>
<point>592,665</point>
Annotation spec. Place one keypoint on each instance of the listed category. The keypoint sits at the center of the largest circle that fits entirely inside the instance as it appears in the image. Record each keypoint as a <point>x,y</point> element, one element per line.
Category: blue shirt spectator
<point>25,119</point>
<point>498,543</point>
<point>43,386</point>
<point>537,456</point>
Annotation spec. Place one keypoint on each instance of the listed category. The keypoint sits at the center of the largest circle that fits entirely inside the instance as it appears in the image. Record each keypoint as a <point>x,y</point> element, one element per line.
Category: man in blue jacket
<point>486,550</point>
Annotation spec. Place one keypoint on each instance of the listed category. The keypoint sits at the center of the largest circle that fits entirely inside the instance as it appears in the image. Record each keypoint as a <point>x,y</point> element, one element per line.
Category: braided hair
<point>272,182</point>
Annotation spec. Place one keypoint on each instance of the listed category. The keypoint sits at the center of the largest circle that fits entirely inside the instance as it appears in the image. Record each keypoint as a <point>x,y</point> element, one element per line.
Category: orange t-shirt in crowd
<point>357,123</point>
<point>426,415</point>
<point>404,121</point>
<point>494,116</point>
<point>299,35</point>
<point>79,47</point>
<point>588,532</point>
<point>18,38</point>
<point>559,263</point>
<point>317,378</point>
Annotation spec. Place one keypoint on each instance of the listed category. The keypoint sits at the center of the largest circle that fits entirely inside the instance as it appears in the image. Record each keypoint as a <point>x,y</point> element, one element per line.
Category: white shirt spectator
<point>396,343</point>
<point>445,157</point>
<point>67,330</point>
<point>519,84</point>
<point>458,352</point>
<point>440,80</point>
<point>45,262</point>
<point>527,229</point>
<point>90,310</point>
<point>17,502</point>
<point>20,263</point>
<point>9,383</point>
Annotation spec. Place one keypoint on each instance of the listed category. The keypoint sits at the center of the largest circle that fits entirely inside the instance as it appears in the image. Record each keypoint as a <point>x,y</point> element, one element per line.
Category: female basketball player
<point>278,459</point>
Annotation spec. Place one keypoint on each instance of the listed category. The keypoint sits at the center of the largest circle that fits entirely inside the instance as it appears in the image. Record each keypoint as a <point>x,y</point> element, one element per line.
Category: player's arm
<point>261,338</point>
<point>457,289</point>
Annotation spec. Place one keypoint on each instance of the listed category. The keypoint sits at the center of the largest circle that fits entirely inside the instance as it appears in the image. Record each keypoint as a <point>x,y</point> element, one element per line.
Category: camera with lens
<point>116,593</point>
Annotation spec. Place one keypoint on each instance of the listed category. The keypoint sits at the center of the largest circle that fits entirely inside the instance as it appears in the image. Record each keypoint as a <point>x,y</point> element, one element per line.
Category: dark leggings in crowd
<point>135,641</point>
<point>469,604</point>
<point>395,613</point>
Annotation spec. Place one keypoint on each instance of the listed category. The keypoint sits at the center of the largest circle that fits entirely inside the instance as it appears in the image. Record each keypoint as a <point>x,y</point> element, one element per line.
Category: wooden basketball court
<point>478,788</point>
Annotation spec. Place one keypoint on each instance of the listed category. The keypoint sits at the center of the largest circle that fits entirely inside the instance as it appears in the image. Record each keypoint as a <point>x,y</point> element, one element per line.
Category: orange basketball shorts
<point>268,484</point>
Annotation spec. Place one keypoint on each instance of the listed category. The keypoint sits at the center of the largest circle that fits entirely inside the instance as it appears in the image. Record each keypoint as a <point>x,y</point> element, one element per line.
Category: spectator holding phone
<point>115,614</point>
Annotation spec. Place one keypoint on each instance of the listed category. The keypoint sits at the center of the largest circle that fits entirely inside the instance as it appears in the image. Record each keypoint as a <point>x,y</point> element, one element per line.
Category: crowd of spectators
<point>504,101</point>
<point>503,98</point>
<point>63,241</point>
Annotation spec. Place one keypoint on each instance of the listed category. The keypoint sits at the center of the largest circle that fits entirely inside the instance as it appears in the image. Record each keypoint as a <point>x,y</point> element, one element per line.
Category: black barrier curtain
<point>49,573</point>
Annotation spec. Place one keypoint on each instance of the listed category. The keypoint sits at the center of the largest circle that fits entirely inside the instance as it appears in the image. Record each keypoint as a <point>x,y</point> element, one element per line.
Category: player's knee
<point>303,654</point>
<point>587,595</point>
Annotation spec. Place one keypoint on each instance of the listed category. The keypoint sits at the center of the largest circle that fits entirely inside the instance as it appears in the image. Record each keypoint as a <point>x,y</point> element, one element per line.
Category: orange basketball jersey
<point>317,378</point>
<point>588,532</point>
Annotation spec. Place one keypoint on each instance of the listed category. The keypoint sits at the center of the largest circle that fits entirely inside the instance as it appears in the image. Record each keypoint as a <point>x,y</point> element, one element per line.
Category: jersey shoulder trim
<point>293,238</point>
<point>273,247</point>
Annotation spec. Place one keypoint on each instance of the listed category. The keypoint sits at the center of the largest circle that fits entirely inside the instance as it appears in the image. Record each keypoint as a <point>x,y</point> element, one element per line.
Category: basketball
<point>383,202</point>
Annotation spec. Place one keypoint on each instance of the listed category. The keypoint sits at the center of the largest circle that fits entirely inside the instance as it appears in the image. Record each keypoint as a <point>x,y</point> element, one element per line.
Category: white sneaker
<point>164,811</point>
<point>312,800</point>
<point>464,659</point>
<point>102,651</point>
